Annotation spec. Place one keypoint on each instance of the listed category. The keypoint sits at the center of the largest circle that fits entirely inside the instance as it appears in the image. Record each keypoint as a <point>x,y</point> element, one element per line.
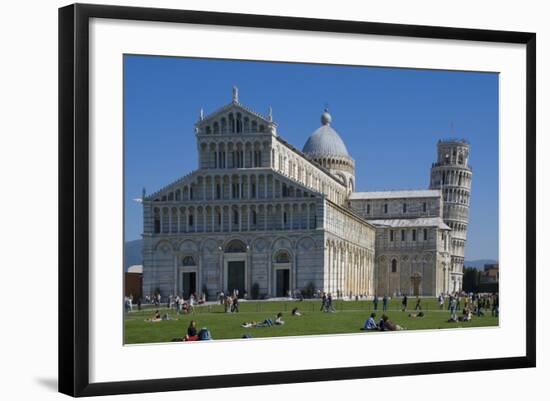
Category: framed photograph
<point>268,200</point>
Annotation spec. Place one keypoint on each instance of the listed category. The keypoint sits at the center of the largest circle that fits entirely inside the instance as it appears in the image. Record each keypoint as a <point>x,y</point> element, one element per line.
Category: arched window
<point>157,222</point>
<point>190,220</point>
<point>282,257</point>
<point>239,123</point>
<point>254,217</point>
<point>216,128</point>
<point>394,266</point>
<point>188,261</point>
<point>235,217</point>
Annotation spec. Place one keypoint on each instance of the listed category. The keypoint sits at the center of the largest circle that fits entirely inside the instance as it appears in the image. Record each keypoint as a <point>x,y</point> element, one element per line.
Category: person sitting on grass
<point>415,315</point>
<point>156,317</point>
<point>166,316</point>
<point>192,332</point>
<point>296,312</point>
<point>387,325</point>
<point>370,324</point>
<point>466,315</point>
<point>279,319</point>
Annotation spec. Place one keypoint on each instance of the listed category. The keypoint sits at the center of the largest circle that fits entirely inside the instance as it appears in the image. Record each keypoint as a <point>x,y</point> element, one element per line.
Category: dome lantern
<point>326,118</point>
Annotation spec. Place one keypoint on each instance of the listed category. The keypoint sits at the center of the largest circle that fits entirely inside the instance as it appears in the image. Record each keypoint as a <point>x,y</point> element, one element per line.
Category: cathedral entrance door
<point>236,277</point>
<point>189,284</point>
<point>282,282</point>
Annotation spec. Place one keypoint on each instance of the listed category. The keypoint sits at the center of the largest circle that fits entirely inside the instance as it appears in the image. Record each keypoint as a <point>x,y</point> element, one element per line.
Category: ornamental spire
<point>235,94</point>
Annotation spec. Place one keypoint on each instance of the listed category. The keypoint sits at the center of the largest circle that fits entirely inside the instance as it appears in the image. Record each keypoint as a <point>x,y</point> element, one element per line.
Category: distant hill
<point>479,263</point>
<point>133,253</point>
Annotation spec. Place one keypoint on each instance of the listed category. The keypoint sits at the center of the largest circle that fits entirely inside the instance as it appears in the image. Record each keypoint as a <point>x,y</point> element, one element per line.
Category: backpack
<point>204,334</point>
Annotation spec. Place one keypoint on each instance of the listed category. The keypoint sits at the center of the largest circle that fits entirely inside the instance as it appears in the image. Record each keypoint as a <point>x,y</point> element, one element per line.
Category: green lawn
<point>348,318</point>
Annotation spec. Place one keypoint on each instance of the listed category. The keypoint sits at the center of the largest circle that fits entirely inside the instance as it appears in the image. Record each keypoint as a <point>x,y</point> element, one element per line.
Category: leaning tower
<point>452,174</point>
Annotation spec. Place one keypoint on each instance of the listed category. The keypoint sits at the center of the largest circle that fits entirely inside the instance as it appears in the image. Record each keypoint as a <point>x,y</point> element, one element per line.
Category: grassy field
<point>348,318</point>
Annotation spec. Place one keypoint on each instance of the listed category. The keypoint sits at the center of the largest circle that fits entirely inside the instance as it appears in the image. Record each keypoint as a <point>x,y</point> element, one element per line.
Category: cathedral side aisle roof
<point>413,193</point>
<point>405,223</point>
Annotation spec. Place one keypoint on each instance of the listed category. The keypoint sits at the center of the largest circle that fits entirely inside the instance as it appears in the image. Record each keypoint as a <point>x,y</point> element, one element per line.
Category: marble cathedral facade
<point>259,214</point>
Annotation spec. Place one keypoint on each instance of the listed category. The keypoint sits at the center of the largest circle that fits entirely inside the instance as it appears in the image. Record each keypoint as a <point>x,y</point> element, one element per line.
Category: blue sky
<point>390,120</point>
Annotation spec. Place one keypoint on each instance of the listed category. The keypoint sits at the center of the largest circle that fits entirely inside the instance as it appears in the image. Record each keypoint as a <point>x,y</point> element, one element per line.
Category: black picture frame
<point>74,198</point>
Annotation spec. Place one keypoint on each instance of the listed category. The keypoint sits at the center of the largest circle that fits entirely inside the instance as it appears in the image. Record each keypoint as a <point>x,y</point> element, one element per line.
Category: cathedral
<point>267,219</point>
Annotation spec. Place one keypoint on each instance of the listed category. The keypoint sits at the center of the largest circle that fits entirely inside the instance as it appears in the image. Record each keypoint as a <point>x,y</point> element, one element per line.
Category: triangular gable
<point>234,108</point>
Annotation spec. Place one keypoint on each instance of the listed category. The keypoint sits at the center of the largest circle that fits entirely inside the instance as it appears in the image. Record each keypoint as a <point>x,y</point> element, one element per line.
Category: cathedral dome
<point>325,141</point>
